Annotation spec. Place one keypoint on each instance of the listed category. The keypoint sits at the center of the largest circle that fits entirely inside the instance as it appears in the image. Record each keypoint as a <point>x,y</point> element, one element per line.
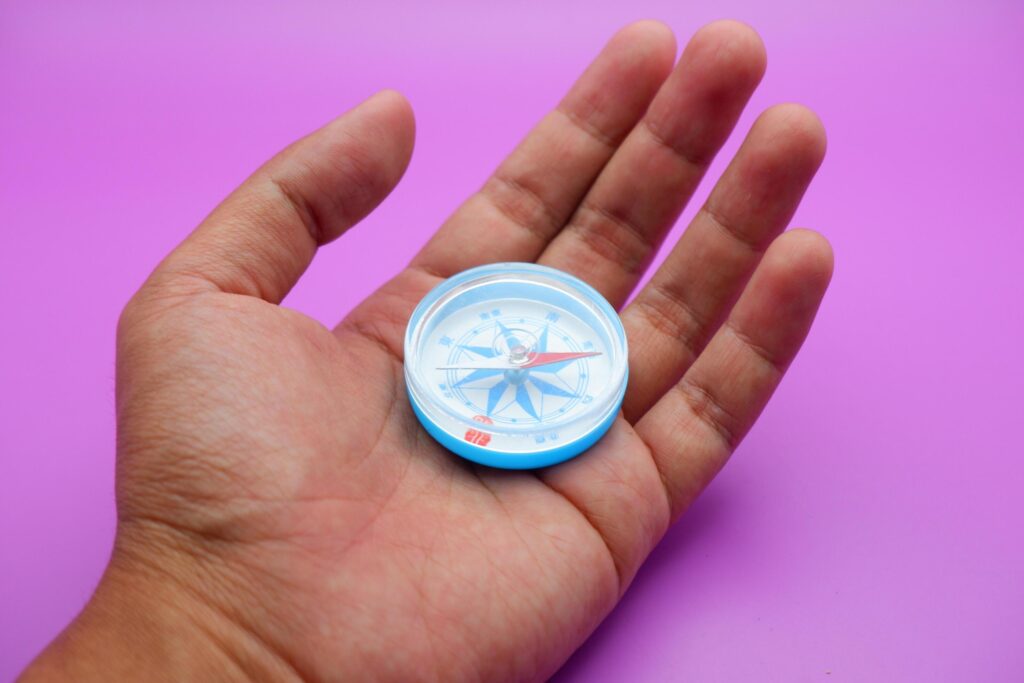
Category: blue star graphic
<point>497,391</point>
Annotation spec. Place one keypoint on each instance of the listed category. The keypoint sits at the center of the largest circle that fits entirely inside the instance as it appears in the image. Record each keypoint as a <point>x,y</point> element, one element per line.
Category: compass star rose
<point>520,386</point>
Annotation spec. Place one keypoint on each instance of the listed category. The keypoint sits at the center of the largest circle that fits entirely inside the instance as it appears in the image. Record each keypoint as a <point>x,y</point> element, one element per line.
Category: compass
<point>515,365</point>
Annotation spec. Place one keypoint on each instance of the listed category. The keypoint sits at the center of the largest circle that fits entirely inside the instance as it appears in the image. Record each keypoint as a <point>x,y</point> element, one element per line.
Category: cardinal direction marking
<point>477,375</point>
<point>553,367</point>
<point>550,389</point>
<point>529,392</point>
<point>510,338</point>
<point>479,350</point>
<point>523,399</point>
<point>495,394</point>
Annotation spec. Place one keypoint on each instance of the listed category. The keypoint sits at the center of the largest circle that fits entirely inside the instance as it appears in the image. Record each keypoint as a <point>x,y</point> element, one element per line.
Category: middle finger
<point>615,231</point>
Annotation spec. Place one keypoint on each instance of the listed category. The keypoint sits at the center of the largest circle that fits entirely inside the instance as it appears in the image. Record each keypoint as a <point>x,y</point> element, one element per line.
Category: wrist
<point>145,623</point>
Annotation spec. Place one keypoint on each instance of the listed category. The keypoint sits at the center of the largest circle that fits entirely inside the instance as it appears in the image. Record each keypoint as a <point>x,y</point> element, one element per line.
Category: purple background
<point>870,528</point>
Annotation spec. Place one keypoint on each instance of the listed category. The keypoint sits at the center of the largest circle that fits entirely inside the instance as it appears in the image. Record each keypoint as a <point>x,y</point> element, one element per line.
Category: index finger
<point>534,191</point>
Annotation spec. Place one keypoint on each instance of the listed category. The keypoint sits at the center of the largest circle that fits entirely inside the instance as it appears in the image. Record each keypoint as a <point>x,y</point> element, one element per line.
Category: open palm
<point>295,510</point>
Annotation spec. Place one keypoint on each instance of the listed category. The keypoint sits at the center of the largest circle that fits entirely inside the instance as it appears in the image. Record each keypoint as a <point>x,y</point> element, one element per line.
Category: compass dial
<point>515,365</point>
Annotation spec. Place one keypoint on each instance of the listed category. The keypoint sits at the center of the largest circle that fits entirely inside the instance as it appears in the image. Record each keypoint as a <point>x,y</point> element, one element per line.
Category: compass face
<point>515,365</point>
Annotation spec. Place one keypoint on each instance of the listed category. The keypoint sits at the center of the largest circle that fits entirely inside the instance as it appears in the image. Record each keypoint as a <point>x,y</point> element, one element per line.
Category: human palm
<point>274,498</point>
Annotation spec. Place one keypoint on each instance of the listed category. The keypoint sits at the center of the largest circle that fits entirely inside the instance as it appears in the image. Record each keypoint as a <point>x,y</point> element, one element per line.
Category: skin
<point>270,527</point>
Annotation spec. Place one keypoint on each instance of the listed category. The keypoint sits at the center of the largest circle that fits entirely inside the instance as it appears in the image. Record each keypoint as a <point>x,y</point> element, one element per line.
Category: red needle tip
<point>556,357</point>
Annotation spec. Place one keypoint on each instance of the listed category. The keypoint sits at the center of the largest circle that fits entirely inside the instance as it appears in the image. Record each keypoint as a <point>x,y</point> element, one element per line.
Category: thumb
<point>262,237</point>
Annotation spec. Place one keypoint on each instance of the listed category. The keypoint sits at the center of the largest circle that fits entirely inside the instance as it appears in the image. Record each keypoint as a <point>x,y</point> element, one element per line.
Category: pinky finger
<point>694,428</point>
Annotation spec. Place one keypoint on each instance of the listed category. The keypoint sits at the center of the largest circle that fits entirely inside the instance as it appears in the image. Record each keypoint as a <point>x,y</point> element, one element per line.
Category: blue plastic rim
<point>503,459</point>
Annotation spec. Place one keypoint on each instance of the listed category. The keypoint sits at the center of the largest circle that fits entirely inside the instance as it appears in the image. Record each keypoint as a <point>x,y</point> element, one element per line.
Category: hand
<point>282,516</point>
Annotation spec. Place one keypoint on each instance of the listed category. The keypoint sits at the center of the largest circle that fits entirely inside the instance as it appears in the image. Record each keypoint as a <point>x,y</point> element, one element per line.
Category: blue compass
<point>515,365</point>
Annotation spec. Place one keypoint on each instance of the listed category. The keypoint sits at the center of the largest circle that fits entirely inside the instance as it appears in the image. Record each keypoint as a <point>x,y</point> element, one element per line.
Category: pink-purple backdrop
<point>870,528</point>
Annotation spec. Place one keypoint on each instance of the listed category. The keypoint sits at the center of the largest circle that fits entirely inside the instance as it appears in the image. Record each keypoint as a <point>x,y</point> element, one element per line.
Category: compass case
<point>515,365</point>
